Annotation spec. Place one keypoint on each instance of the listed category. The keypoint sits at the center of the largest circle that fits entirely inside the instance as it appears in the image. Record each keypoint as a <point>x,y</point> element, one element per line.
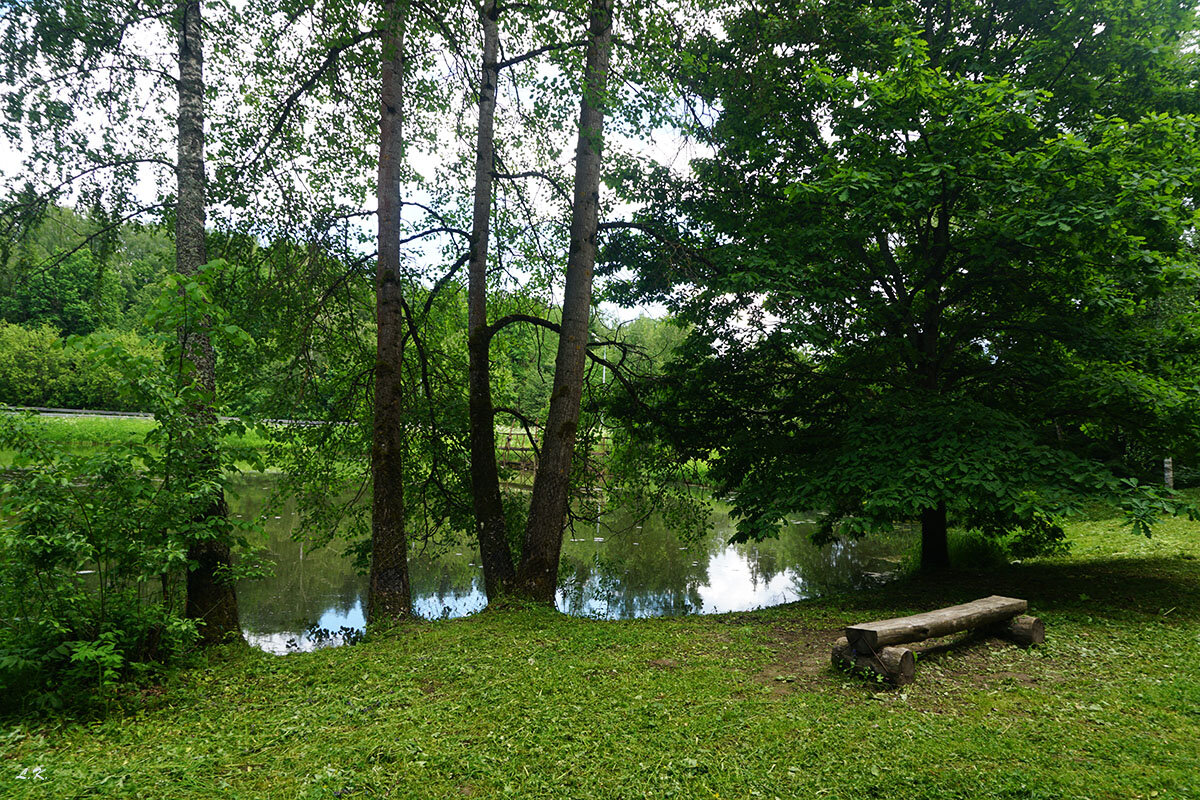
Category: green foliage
<point>931,259</point>
<point>59,278</point>
<point>647,478</point>
<point>325,455</point>
<point>93,544</point>
<point>635,472</point>
<point>56,273</point>
<point>974,549</point>
<point>522,357</point>
<point>64,297</point>
<point>38,369</point>
<point>82,539</point>
<point>32,365</point>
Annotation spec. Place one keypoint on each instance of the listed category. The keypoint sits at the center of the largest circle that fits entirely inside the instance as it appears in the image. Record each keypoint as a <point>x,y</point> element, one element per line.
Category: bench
<point>871,647</point>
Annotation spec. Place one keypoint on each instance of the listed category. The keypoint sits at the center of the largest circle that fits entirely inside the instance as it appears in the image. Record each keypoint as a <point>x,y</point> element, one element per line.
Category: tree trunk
<point>935,551</point>
<point>388,592</point>
<point>537,577</point>
<point>209,598</point>
<point>1169,473</point>
<point>498,571</point>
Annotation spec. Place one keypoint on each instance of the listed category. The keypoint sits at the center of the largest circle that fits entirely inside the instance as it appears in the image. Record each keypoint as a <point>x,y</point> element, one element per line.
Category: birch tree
<point>537,577</point>
<point>210,594</point>
<point>389,594</point>
<point>87,87</point>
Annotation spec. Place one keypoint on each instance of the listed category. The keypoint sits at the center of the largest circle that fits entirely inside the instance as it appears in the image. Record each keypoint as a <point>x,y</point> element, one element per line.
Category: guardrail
<point>81,412</point>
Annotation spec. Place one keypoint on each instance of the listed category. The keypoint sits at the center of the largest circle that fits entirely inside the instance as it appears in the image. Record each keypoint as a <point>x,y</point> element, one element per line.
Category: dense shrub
<point>38,369</point>
<point>87,548</point>
<point>33,365</point>
<point>94,546</point>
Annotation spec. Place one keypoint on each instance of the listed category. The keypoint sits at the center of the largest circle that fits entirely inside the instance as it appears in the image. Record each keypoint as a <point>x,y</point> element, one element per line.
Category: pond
<point>612,570</point>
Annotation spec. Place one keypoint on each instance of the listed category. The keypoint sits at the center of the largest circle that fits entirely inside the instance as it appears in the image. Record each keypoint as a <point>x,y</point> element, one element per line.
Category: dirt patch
<point>664,663</point>
<point>1006,677</point>
<point>974,661</point>
<point>801,658</point>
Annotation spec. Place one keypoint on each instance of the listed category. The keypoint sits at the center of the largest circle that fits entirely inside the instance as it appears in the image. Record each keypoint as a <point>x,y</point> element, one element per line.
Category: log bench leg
<point>1025,631</point>
<point>895,664</point>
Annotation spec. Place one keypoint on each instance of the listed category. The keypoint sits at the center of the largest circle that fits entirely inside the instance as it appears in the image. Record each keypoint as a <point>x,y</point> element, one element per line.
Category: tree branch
<point>46,195</point>
<point>433,231</point>
<point>289,104</point>
<point>442,281</point>
<point>57,259</point>
<point>525,423</point>
<point>512,62</point>
<point>491,330</point>
<point>533,173</point>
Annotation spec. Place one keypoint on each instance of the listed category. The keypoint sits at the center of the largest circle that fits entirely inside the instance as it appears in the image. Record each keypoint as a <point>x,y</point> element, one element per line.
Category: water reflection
<point>618,572</point>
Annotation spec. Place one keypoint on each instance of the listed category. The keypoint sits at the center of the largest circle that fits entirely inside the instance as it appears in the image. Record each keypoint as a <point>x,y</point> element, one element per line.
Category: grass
<point>531,704</point>
<point>95,431</point>
<point>85,434</point>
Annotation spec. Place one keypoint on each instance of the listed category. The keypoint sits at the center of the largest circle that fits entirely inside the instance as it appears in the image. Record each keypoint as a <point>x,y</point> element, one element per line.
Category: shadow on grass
<point>1116,588</point>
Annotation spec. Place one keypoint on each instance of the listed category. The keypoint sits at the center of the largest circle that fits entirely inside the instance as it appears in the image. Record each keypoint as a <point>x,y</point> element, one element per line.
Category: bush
<point>93,547</point>
<point>33,365</point>
<point>38,369</point>
<point>974,550</point>
<point>978,549</point>
<point>87,551</point>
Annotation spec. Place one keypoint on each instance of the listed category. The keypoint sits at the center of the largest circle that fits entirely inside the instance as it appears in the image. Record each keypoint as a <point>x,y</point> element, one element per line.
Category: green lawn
<point>85,434</point>
<point>531,704</point>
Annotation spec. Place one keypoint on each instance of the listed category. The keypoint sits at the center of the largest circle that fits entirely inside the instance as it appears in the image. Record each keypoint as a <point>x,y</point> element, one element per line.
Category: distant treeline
<point>62,288</point>
<point>60,280</point>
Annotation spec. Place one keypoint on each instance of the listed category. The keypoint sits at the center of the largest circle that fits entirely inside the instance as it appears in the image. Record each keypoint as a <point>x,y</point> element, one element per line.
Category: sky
<point>662,145</point>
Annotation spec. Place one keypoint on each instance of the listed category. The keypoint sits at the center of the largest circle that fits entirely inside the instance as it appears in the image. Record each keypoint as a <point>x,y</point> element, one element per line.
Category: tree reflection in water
<point>621,572</point>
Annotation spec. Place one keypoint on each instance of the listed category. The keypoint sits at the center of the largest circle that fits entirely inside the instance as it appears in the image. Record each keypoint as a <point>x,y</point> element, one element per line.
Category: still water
<point>614,570</point>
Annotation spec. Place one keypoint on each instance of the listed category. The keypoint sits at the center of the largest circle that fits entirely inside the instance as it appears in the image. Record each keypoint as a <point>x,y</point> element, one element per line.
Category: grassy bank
<point>84,434</point>
<point>533,704</point>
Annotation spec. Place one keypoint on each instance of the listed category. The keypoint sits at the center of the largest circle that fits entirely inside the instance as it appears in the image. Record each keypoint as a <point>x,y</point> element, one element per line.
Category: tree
<point>919,257</point>
<point>353,70</point>
<point>389,594</point>
<point>67,62</point>
<point>210,594</point>
<point>537,576</point>
<point>487,503</point>
<point>646,55</point>
<point>48,280</point>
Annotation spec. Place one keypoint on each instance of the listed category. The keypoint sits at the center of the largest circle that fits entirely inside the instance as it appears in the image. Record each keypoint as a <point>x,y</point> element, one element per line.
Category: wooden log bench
<point>872,646</point>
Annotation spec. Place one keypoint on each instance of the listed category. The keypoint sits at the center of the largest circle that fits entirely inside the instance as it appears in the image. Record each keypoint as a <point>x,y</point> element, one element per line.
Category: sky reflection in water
<point>618,572</point>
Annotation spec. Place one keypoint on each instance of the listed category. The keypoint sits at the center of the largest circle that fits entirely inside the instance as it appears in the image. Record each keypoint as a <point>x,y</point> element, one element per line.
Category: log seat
<point>871,647</point>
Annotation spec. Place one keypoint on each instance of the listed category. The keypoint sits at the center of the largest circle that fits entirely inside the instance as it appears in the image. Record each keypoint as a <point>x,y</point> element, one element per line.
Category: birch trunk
<point>537,577</point>
<point>209,598</point>
<point>388,593</point>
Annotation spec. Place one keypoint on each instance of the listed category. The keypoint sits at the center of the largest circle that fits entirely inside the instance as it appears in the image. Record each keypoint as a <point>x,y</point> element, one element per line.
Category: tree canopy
<point>940,261</point>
